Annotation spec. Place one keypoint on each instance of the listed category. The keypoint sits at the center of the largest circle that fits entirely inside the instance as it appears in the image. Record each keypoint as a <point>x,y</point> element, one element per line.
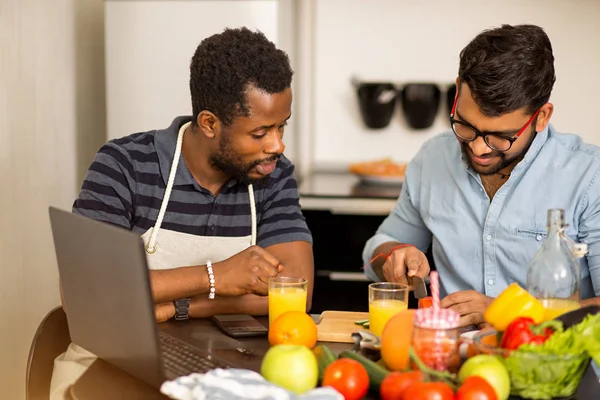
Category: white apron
<point>165,249</point>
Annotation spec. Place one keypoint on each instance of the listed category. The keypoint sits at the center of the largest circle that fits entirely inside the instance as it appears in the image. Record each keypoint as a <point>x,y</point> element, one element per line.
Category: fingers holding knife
<point>407,265</point>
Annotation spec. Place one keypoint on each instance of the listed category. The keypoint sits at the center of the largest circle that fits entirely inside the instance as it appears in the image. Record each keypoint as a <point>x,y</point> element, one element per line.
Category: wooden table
<point>103,381</point>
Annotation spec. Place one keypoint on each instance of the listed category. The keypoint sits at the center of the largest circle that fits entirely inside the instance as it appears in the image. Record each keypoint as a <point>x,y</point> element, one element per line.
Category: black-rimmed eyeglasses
<point>466,132</point>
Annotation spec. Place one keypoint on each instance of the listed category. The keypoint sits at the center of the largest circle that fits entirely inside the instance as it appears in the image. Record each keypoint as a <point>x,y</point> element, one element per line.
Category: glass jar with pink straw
<point>436,334</point>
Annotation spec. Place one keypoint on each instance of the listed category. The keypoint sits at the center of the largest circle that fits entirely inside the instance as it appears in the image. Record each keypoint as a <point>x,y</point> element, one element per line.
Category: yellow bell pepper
<point>512,303</point>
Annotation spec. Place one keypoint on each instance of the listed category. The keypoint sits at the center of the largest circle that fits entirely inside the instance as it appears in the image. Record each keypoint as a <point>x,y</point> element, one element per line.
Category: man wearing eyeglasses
<point>478,195</point>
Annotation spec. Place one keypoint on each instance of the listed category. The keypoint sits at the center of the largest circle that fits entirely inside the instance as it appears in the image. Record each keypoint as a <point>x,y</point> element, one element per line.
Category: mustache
<point>467,150</point>
<point>268,160</point>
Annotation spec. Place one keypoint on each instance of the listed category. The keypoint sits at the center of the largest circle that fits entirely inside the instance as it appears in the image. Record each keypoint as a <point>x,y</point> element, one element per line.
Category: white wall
<point>149,45</point>
<point>405,40</point>
<point>45,95</point>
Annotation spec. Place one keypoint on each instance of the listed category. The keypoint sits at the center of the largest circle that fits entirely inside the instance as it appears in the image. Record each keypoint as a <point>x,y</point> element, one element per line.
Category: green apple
<point>293,367</point>
<point>490,368</point>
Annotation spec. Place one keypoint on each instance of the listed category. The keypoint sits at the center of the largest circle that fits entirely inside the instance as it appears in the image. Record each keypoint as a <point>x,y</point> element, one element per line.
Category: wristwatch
<point>182,308</point>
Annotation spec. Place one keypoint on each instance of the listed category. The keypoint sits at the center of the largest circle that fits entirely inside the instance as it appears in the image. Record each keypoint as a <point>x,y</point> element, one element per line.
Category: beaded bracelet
<point>211,280</point>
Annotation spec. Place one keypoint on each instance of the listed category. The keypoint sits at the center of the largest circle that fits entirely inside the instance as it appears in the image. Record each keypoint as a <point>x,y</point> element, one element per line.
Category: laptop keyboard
<point>182,359</point>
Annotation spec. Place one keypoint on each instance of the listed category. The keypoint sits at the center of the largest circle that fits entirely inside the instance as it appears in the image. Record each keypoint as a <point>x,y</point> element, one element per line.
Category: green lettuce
<point>588,335</point>
<point>554,368</point>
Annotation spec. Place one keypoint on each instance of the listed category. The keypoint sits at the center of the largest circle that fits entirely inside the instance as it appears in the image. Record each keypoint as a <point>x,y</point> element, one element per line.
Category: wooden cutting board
<point>338,326</point>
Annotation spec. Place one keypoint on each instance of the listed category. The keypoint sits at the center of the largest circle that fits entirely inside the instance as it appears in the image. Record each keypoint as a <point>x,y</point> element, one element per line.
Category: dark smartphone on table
<point>239,325</point>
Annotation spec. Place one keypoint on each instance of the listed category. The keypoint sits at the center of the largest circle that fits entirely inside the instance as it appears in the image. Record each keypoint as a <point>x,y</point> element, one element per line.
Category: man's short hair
<point>227,64</point>
<point>509,68</point>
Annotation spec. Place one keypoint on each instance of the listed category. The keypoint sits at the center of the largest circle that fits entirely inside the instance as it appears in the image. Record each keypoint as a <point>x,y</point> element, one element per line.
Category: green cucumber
<point>376,372</point>
<point>324,357</point>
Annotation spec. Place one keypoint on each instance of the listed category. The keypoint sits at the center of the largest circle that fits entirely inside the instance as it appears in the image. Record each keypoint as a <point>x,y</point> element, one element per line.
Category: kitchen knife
<point>419,287</point>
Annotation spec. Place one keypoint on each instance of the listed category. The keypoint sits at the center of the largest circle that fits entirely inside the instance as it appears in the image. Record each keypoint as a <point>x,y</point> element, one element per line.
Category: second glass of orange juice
<point>385,300</point>
<point>286,293</point>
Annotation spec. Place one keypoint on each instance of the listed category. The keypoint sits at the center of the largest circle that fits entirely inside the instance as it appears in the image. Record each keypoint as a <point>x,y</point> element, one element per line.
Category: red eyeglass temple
<point>518,134</point>
<point>529,122</point>
<point>454,105</point>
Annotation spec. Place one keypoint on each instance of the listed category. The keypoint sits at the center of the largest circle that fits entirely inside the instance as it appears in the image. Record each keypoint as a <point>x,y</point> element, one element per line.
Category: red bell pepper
<point>425,302</point>
<point>523,330</point>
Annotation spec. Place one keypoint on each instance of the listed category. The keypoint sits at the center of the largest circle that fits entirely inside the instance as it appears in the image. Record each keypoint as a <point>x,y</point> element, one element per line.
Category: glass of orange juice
<point>385,300</point>
<point>286,293</point>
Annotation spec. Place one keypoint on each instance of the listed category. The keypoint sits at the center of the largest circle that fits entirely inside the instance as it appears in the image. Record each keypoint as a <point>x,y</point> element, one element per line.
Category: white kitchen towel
<point>234,384</point>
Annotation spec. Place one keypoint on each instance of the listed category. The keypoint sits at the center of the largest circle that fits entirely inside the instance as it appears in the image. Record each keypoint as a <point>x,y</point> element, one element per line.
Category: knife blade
<point>418,285</point>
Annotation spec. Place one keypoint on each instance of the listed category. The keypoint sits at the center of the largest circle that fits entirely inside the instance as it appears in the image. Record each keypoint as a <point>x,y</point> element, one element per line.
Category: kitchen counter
<point>345,193</point>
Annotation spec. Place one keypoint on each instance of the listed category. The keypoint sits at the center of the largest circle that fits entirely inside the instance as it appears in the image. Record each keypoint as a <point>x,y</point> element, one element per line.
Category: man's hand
<point>405,260</point>
<point>247,272</point>
<point>470,304</point>
<point>164,311</point>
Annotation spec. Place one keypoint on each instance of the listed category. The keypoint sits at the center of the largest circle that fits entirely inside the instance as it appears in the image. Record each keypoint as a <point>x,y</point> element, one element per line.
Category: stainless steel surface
<point>348,206</point>
<point>348,276</point>
<point>344,185</point>
<point>366,340</point>
<point>344,193</point>
<point>419,287</point>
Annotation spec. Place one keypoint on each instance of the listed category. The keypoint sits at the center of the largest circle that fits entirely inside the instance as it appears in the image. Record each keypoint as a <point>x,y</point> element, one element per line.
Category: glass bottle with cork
<point>554,275</point>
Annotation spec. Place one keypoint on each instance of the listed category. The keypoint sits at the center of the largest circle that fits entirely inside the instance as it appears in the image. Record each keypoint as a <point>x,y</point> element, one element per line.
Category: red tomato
<point>348,377</point>
<point>428,391</point>
<point>475,388</point>
<point>394,385</point>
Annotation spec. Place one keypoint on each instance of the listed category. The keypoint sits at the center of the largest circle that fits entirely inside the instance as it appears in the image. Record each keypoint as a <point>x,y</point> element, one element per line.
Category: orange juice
<point>282,299</point>
<point>380,311</point>
<point>556,307</point>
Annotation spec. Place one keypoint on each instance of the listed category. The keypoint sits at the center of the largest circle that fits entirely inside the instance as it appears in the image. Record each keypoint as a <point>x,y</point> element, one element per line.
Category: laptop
<point>108,301</point>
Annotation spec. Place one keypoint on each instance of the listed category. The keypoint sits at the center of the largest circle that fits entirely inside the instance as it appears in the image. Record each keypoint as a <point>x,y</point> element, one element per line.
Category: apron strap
<point>151,246</point>
<point>252,214</point>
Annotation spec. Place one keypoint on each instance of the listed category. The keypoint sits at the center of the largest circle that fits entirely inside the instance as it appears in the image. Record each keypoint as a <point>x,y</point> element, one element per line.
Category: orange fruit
<point>293,327</point>
<point>472,350</point>
<point>396,340</point>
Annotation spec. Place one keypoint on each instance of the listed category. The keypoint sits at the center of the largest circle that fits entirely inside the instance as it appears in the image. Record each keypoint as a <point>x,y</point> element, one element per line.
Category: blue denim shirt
<point>483,245</point>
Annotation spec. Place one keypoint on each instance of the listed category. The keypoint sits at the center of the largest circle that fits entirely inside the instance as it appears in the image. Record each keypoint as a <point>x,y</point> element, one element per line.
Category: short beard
<point>231,164</point>
<point>493,169</point>
<point>490,170</point>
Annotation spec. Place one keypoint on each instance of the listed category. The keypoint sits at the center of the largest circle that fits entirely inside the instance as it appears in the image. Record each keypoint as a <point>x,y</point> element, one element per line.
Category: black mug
<point>376,102</point>
<point>420,104</point>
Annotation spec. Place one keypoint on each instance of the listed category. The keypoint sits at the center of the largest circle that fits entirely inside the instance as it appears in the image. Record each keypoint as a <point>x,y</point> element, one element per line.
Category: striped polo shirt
<point>126,183</point>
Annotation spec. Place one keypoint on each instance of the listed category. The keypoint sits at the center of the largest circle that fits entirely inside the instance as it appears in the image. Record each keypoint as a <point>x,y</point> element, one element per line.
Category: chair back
<point>51,339</point>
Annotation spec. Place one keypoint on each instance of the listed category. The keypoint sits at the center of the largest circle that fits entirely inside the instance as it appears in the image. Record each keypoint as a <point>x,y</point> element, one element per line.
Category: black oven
<point>338,243</point>
<point>342,214</point>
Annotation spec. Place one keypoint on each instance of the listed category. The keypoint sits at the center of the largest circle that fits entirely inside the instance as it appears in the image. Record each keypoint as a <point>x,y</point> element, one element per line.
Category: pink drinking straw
<point>435,289</point>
